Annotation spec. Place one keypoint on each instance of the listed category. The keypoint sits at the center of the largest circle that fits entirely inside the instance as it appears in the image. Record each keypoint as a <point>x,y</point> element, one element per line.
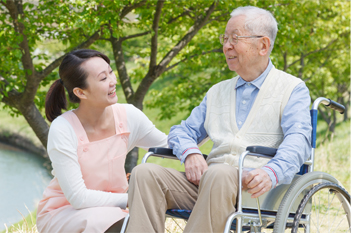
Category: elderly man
<point>261,106</point>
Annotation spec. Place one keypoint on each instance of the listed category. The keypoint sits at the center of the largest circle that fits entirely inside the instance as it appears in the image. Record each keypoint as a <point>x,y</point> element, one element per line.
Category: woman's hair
<point>259,22</point>
<point>72,75</point>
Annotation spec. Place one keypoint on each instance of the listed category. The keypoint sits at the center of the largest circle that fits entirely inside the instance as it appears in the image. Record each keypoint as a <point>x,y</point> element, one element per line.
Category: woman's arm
<point>143,132</point>
<point>62,150</point>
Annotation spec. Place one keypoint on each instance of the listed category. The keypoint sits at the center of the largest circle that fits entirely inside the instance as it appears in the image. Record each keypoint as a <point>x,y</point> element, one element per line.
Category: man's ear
<point>79,93</point>
<point>265,45</point>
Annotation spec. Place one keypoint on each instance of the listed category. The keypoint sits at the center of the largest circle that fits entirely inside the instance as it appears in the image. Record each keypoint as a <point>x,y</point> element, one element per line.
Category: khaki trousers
<point>154,189</point>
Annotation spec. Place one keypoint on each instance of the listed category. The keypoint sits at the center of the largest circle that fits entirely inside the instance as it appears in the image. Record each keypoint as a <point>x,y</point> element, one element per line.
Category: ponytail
<point>55,100</point>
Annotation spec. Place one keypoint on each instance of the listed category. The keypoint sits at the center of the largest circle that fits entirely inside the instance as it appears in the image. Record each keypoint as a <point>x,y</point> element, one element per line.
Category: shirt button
<point>240,122</point>
<point>249,84</point>
<point>85,149</point>
<point>244,102</point>
<point>120,125</point>
<point>81,138</point>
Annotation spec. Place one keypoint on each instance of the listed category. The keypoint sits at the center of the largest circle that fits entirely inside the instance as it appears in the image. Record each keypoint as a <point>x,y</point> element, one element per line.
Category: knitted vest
<point>262,125</point>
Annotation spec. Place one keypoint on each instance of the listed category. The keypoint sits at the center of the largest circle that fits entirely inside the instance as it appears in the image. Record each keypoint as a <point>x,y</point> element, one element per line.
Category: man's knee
<point>221,174</point>
<point>145,173</point>
<point>221,171</point>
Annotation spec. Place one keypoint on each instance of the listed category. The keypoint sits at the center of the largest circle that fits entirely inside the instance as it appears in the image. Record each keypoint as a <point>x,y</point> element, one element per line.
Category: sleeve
<point>62,150</point>
<point>296,146</point>
<point>143,132</point>
<point>184,138</point>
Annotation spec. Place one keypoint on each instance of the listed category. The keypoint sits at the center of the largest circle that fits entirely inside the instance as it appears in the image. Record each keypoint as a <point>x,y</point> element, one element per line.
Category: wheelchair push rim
<point>329,210</point>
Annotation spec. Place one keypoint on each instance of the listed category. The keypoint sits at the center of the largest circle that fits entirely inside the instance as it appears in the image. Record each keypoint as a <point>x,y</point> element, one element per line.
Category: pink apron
<point>102,166</point>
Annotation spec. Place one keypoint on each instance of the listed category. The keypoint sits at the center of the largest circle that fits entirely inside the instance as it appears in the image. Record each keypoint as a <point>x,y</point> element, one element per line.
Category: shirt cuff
<point>272,174</point>
<point>191,150</point>
<point>122,200</point>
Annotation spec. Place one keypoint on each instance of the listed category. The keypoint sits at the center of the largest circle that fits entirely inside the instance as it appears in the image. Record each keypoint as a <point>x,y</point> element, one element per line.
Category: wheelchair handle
<point>328,103</point>
<point>336,106</point>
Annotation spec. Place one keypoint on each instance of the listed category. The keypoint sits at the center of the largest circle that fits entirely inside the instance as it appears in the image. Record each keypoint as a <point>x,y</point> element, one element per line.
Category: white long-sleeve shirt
<point>62,150</point>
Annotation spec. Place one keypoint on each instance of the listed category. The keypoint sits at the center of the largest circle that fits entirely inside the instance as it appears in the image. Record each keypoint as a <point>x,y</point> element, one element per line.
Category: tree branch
<point>199,23</point>
<point>135,35</point>
<point>186,12</point>
<point>15,8</point>
<point>58,61</point>
<point>121,69</point>
<point>315,51</point>
<point>157,16</point>
<point>131,7</point>
<point>195,55</point>
<point>218,17</point>
<point>161,67</point>
<point>321,66</point>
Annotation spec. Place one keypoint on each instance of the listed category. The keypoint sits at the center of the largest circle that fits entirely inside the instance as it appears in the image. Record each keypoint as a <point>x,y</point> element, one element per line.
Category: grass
<point>26,225</point>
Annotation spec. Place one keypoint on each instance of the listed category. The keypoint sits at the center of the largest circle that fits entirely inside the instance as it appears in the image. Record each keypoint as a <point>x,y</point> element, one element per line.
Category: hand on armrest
<point>195,166</point>
<point>256,182</point>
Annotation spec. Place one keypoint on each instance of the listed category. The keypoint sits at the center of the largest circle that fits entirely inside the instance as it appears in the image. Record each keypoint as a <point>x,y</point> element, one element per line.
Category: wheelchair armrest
<point>262,150</point>
<point>161,152</point>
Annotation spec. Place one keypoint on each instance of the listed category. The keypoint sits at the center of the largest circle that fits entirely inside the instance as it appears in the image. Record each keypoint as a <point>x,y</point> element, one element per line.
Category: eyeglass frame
<point>237,40</point>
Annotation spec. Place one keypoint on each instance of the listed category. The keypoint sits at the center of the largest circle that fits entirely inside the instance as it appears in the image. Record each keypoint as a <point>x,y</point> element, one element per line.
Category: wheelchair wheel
<point>294,194</point>
<point>329,210</point>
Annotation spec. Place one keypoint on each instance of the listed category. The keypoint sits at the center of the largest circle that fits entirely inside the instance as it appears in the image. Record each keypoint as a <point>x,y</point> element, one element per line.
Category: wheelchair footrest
<point>185,214</point>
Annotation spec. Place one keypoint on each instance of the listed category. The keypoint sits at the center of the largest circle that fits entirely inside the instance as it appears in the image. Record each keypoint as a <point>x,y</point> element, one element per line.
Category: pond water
<point>23,179</point>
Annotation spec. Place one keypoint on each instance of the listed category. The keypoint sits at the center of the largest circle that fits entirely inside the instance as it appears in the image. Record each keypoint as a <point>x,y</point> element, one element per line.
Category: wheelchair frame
<point>279,204</point>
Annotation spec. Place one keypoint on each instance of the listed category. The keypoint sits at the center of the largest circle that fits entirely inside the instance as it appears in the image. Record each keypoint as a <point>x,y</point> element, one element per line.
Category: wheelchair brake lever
<point>259,211</point>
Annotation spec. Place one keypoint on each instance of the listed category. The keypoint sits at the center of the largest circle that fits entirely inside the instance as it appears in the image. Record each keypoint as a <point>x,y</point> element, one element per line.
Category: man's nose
<point>227,46</point>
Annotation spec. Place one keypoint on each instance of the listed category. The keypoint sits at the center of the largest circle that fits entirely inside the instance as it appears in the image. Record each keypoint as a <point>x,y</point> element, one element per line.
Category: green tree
<point>313,43</point>
<point>25,72</point>
<point>153,39</point>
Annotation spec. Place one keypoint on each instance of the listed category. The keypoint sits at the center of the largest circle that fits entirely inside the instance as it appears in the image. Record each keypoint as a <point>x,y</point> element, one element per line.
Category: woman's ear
<point>79,93</point>
<point>265,45</point>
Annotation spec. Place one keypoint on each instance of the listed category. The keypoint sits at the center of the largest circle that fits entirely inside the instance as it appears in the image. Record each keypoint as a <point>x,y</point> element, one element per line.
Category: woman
<point>88,147</point>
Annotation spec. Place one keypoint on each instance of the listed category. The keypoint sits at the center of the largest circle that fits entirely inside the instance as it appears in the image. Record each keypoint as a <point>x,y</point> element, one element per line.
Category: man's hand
<point>257,182</point>
<point>195,166</point>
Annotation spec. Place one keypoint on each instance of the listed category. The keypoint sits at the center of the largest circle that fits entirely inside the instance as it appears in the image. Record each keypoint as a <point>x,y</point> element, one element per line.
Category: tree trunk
<point>36,122</point>
<point>332,123</point>
<point>131,160</point>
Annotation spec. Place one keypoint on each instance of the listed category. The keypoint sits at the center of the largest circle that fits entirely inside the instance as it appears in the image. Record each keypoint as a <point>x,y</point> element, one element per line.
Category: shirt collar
<point>259,80</point>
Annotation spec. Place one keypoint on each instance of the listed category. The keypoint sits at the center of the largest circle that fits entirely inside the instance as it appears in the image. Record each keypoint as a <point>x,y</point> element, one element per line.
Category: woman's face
<point>101,82</point>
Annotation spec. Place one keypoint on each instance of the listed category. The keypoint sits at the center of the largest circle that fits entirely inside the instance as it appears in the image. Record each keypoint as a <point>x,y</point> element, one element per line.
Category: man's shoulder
<point>290,77</point>
<point>224,83</point>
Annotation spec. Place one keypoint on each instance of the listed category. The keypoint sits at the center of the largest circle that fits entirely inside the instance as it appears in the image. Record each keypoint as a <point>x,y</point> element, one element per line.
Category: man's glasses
<point>234,38</point>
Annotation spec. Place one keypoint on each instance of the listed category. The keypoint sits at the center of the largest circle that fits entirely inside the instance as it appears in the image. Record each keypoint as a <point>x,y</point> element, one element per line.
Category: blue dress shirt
<point>295,123</point>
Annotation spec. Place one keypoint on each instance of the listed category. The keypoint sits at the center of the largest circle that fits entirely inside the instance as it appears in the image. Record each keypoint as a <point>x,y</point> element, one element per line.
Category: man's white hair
<point>259,22</point>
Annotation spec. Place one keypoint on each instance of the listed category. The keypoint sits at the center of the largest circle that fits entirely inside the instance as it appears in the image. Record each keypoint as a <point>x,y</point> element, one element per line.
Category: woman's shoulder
<point>130,109</point>
<point>61,134</point>
<point>61,125</point>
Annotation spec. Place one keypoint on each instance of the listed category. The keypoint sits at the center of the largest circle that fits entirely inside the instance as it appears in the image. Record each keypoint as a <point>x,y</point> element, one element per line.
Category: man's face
<point>243,56</point>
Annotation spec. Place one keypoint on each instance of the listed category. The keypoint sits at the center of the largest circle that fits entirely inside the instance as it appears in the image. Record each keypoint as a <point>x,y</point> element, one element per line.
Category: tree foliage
<point>153,41</point>
<point>313,43</point>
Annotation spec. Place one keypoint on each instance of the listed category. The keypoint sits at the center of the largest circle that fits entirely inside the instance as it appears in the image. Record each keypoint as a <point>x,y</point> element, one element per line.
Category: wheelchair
<point>314,201</point>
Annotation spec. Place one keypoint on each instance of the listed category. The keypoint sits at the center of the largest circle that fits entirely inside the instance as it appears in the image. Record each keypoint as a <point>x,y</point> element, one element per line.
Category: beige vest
<point>262,125</point>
